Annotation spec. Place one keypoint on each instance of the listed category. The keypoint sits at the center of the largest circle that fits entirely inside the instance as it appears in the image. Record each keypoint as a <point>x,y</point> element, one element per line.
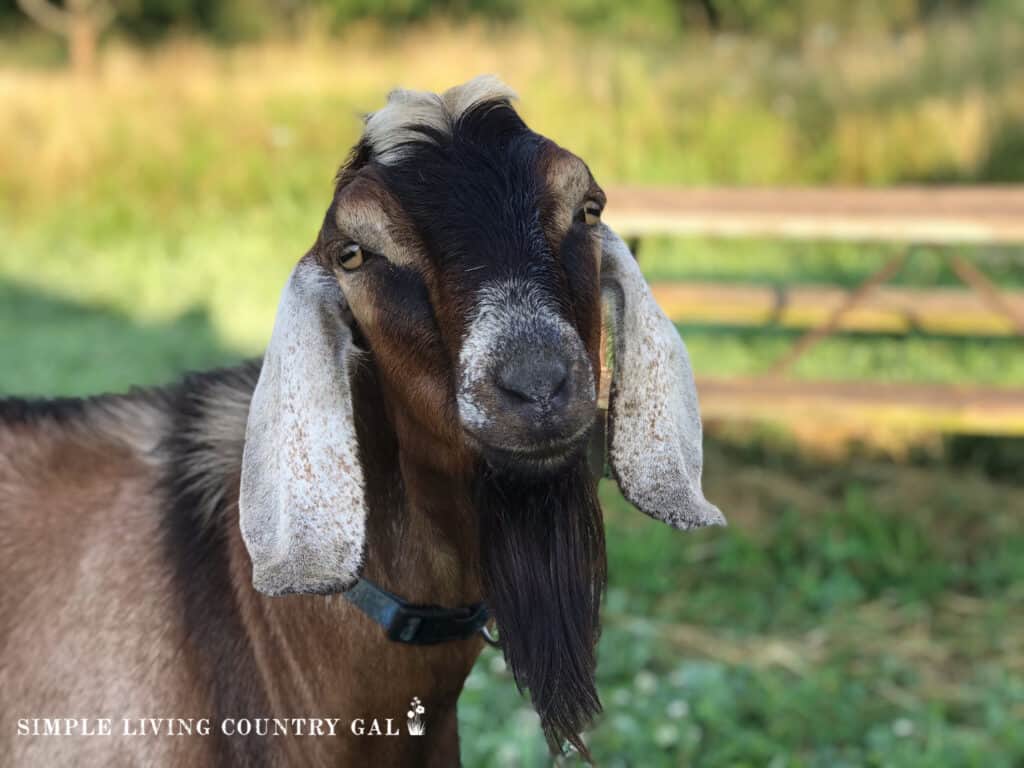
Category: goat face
<point>469,261</point>
<point>463,250</point>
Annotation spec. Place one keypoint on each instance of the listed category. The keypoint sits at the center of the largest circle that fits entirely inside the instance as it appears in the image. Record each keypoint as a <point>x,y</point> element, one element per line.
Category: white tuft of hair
<point>390,130</point>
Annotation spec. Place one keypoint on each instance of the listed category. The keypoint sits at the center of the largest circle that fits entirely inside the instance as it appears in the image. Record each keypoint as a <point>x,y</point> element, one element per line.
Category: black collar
<point>430,624</point>
<point>417,624</point>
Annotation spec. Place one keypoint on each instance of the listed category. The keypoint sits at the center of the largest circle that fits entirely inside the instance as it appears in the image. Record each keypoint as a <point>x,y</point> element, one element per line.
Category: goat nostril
<point>513,393</point>
<point>535,382</point>
<point>560,388</point>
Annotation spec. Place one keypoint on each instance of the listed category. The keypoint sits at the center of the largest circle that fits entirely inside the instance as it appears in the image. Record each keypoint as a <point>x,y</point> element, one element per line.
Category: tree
<point>79,21</point>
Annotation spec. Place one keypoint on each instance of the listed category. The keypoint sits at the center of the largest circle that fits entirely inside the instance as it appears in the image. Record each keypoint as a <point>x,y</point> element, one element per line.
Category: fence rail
<point>920,407</point>
<point>912,216</point>
<point>948,215</point>
<point>949,311</point>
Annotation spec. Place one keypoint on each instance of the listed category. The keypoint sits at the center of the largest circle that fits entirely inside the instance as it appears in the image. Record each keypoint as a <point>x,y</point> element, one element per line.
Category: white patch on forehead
<point>389,130</point>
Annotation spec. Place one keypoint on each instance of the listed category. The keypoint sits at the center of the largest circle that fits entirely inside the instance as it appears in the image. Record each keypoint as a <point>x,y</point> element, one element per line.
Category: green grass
<point>851,615</point>
<point>857,612</point>
<point>800,262</point>
<point>859,357</point>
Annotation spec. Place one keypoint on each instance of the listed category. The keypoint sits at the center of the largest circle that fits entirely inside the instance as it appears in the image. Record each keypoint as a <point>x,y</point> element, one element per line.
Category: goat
<point>419,421</point>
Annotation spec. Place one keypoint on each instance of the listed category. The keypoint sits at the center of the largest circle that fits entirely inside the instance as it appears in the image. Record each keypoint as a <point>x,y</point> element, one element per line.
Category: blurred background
<point>163,164</point>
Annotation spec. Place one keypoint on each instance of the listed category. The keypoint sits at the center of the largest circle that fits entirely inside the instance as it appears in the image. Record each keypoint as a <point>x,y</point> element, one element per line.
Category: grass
<point>853,614</point>
<point>857,611</point>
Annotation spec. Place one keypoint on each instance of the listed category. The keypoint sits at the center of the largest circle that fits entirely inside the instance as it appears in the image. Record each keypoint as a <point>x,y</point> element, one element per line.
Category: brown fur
<point>92,621</point>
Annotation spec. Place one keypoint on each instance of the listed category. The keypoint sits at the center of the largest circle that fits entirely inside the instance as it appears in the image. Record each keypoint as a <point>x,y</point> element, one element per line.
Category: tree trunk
<point>82,43</point>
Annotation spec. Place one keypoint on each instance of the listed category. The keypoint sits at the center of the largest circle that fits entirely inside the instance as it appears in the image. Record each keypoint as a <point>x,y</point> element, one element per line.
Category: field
<point>857,611</point>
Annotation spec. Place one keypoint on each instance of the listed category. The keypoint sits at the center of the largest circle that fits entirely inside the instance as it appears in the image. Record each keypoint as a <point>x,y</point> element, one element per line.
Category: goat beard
<point>544,570</point>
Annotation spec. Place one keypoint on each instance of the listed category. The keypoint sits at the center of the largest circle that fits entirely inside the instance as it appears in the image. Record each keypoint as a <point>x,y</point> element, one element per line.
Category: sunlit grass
<point>188,127</point>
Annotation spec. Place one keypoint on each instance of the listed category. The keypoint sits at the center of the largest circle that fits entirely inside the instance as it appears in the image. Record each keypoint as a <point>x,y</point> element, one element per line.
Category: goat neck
<point>422,544</point>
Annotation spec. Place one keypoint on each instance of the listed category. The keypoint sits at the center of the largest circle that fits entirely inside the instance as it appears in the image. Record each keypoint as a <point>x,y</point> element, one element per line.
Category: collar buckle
<point>404,622</point>
<point>403,627</point>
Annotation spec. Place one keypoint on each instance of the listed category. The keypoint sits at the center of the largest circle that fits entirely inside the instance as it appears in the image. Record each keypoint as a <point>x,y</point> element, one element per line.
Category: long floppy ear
<point>654,425</point>
<point>301,503</point>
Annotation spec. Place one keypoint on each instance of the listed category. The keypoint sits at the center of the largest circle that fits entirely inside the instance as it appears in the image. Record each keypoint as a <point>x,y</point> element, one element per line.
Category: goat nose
<point>536,379</point>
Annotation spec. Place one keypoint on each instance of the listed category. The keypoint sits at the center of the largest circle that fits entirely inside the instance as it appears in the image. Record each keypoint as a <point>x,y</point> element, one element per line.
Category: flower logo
<point>414,717</point>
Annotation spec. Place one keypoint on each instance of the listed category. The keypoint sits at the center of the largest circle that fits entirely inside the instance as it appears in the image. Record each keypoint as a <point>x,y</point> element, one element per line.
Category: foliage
<point>793,20</point>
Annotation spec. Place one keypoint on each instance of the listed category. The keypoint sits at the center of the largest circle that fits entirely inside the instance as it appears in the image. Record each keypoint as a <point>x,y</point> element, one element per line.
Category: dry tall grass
<point>726,110</point>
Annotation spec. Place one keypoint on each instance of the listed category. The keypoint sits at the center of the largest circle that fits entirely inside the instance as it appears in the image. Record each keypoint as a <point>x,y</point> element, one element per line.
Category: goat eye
<point>351,256</point>
<point>591,213</point>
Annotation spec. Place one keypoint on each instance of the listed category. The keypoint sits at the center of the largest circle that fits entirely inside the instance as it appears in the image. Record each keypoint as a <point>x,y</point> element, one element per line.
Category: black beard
<point>544,571</point>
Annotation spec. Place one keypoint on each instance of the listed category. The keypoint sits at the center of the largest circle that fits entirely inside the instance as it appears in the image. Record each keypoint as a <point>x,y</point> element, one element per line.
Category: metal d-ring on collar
<point>489,637</point>
<point>418,624</point>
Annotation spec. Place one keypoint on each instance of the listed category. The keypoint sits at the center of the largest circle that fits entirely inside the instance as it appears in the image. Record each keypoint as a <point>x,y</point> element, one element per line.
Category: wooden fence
<point>909,216</point>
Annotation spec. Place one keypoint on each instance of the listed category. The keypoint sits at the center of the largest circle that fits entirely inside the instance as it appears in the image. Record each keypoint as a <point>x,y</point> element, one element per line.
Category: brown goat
<point>419,421</point>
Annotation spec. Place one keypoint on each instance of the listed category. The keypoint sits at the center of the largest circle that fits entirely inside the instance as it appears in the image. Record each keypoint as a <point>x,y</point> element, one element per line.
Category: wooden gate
<point>911,217</point>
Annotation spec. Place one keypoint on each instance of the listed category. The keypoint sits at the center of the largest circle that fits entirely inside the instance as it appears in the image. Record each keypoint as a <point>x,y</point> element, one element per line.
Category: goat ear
<point>654,421</point>
<point>301,503</point>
